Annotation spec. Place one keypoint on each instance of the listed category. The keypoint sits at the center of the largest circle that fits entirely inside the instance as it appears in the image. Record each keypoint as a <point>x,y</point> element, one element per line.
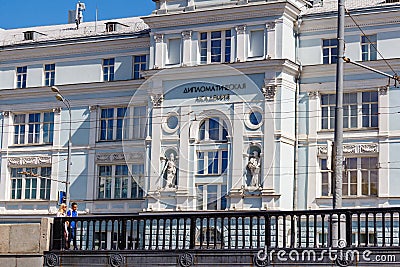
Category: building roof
<point>67,31</point>
<point>332,5</point>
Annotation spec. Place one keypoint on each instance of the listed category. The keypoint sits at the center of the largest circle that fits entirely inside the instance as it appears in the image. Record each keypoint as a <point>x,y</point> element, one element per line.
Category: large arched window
<point>213,129</point>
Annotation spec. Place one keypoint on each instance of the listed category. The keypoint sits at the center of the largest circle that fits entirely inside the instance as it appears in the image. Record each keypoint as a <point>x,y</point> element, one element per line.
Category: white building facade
<point>202,105</point>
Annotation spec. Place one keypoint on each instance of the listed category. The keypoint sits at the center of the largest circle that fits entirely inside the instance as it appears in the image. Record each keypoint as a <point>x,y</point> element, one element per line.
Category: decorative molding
<point>119,157</point>
<point>29,161</point>
<point>383,90</point>
<point>6,113</point>
<point>157,99</point>
<point>269,91</point>
<point>241,29</point>
<point>270,26</point>
<point>51,260</point>
<point>369,148</point>
<point>158,37</point>
<point>116,260</point>
<point>93,108</point>
<point>187,35</point>
<point>57,110</point>
<point>353,149</point>
<point>186,260</point>
<point>313,95</point>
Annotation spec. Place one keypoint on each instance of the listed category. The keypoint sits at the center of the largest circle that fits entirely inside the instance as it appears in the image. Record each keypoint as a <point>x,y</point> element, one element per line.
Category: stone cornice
<point>235,13</point>
<point>368,19</point>
<point>80,48</point>
<point>248,67</point>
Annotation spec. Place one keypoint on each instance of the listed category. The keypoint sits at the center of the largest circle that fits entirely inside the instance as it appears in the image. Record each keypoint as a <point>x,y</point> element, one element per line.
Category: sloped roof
<point>66,31</point>
<point>332,5</point>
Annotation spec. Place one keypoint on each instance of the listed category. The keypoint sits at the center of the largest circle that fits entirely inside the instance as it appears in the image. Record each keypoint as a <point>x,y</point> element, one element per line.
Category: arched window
<point>213,129</point>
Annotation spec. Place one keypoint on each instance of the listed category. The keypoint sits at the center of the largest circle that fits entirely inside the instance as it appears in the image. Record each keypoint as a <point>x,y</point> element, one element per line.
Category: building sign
<point>212,92</point>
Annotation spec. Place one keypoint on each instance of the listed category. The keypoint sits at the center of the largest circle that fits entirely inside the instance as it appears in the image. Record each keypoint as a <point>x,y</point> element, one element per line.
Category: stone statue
<point>254,165</point>
<point>170,170</point>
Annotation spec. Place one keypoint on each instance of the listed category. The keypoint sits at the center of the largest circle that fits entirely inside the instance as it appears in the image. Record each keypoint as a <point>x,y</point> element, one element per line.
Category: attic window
<point>111,26</point>
<point>29,35</point>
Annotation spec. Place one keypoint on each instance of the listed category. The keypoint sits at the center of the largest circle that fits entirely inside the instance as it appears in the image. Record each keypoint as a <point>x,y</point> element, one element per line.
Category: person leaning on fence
<point>62,212</point>
<point>73,212</point>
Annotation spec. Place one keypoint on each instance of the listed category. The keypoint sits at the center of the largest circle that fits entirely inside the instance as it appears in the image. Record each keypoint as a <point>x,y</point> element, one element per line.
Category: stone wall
<point>23,244</point>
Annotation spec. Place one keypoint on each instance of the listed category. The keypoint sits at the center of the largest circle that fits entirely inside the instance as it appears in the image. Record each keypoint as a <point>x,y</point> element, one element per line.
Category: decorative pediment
<point>29,161</point>
<point>353,149</point>
<point>119,157</point>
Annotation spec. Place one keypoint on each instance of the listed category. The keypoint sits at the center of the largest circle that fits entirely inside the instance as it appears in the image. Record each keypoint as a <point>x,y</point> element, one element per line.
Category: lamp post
<point>61,98</point>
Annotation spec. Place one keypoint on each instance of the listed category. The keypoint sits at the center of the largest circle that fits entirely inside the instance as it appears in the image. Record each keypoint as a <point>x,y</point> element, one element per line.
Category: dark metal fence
<point>227,230</point>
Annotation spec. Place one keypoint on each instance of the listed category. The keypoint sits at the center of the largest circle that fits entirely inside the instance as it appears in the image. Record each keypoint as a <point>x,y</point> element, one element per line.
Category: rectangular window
<point>49,74</point>
<point>329,51</point>
<point>33,128</point>
<point>217,162</point>
<point>26,182</point>
<point>174,51</point>
<point>353,103</point>
<point>211,197</point>
<point>116,182</point>
<point>370,109</point>
<point>368,47</point>
<point>215,47</point>
<point>108,69</point>
<point>360,177</point>
<point>256,43</point>
<point>139,64</point>
<point>22,76</point>
<point>122,123</point>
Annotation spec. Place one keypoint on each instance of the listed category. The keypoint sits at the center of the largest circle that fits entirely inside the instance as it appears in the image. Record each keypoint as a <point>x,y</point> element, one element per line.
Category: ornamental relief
<point>353,149</point>
<point>119,157</point>
<point>31,161</point>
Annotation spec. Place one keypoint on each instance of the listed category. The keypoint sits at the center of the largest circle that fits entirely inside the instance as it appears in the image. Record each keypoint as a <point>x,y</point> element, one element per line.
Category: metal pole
<point>338,138</point>
<point>67,198</point>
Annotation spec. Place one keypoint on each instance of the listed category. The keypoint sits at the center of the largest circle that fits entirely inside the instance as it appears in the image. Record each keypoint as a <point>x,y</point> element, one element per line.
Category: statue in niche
<point>170,172</point>
<point>254,166</point>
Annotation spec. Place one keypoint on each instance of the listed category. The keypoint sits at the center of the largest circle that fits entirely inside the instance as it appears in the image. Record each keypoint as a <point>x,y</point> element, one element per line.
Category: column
<point>278,39</point>
<point>159,51</point>
<point>270,39</point>
<point>187,48</point>
<point>384,147</point>
<point>91,189</point>
<point>268,150</point>
<point>185,174</point>
<point>4,160</point>
<point>241,43</point>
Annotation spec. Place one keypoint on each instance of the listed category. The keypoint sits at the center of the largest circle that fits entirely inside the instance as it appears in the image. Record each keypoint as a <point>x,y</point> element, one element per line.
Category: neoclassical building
<point>201,105</point>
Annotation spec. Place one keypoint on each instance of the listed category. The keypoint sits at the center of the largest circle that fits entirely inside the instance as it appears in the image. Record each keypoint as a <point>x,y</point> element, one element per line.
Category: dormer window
<point>111,26</point>
<point>29,35</point>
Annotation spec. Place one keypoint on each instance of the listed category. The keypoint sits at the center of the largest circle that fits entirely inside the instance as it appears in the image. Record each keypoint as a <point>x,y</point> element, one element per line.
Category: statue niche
<point>169,172</point>
<point>253,171</point>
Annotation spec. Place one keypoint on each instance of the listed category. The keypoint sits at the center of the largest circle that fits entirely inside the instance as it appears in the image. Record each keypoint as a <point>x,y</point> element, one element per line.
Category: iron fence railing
<point>230,230</point>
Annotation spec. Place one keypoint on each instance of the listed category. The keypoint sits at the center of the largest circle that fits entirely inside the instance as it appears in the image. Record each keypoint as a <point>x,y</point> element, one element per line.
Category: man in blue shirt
<point>73,212</point>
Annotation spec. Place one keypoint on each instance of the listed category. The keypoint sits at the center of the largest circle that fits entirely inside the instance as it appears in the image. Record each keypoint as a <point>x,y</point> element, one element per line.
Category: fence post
<point>192,232</point>
<point>349,229</point>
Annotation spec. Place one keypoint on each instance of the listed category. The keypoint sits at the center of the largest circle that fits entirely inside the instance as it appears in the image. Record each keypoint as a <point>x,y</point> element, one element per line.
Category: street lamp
<point>61,98</point>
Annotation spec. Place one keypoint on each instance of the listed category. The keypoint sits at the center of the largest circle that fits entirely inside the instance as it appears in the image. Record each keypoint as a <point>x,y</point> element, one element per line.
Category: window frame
<point>32,129</point>
<point>370,52</point>
<point>37,186</point>
<point>202,192</point>
<point>108,69</point>
<point>225,47</point>
<point>361,110</point>
<point>49,74</point>
<point>139,65</point>
<point>348,173</point>
<point>135,181</point>
<point>328,45</point>
<point>21,77</point>
<point>123,127</point>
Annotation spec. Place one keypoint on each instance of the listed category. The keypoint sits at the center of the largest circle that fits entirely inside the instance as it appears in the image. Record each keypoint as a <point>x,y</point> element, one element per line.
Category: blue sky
<point>28,13</point>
